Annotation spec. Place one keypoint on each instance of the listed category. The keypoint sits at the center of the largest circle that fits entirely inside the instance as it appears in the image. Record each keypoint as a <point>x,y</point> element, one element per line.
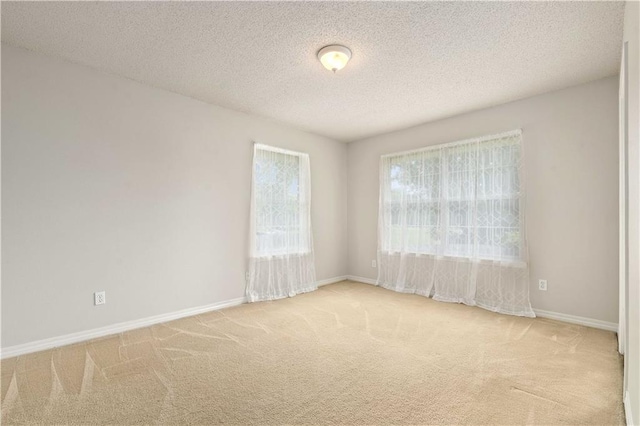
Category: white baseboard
<point>362,280</point>
<point>627,409</point>
<point>331,280</point>
<point>67,339</point>
<point>573,319</point>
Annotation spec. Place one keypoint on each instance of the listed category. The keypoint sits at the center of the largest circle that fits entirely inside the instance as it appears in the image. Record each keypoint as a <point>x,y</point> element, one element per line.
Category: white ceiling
<point>412,62</point>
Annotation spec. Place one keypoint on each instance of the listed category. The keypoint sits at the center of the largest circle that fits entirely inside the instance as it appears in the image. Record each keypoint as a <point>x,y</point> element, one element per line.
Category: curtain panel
<point>281,260</point>
<point>451,223</point>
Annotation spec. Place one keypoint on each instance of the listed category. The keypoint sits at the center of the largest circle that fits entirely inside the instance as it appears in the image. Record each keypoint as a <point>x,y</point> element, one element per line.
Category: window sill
<point>516,263</point>
<point>280,255</point>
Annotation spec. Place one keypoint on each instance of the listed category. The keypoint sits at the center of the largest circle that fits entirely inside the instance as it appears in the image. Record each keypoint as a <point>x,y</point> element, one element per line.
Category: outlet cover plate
<point>542,285</point>
<point>99,298</point>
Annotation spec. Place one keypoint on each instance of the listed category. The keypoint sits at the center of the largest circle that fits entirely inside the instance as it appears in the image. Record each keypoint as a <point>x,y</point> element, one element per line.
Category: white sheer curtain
<point>451,224</point>
<point>281,262</point>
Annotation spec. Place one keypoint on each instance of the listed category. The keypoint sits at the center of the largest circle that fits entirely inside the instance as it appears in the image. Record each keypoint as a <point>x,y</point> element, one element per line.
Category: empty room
<point>354,213</point>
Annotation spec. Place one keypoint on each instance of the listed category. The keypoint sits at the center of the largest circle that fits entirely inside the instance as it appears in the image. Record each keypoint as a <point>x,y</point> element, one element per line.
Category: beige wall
<point>632,351</point>
<point>111,185</point>
<point>571,148</point>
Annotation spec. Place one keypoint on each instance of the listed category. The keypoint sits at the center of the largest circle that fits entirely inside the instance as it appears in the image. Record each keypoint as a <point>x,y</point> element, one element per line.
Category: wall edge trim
<point>333,280</point>
<point>573,319</point>
<point>68,339</point>
<point>627,409</point>
<point>362,279</point>
<point>81,336</point>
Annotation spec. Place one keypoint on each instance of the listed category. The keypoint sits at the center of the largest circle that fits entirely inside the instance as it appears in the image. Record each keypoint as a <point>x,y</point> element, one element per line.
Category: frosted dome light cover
<point>334,57</point>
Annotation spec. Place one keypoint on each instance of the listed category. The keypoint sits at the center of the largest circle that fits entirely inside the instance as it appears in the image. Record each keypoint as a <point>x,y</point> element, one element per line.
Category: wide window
<point>281,261</point>
<point>460,200</point>
<point>451,223</point>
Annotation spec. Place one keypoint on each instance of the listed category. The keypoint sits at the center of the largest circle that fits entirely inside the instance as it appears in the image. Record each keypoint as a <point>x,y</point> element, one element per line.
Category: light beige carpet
<point>346,354</point>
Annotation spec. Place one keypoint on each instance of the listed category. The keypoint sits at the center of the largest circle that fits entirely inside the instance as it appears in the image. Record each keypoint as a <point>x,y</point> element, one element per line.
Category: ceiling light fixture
<point>334,57</point>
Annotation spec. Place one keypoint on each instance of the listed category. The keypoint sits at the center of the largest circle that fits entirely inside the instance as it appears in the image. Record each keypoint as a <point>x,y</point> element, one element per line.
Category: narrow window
<point>281,258</point>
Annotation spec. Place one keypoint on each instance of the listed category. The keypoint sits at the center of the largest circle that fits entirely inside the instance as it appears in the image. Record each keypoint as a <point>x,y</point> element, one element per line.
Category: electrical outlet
<point>374,264</point>
<point>246,276</point>
<point>99,298</point>
<point>542,285</point>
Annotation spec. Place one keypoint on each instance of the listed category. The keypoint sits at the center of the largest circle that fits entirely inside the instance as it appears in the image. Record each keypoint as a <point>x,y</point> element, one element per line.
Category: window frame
<point>304,214</point>
<point>444,203</point>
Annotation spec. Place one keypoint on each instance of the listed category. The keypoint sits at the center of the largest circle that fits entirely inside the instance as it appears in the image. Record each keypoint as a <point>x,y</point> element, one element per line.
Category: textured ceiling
<point>412,62</point>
